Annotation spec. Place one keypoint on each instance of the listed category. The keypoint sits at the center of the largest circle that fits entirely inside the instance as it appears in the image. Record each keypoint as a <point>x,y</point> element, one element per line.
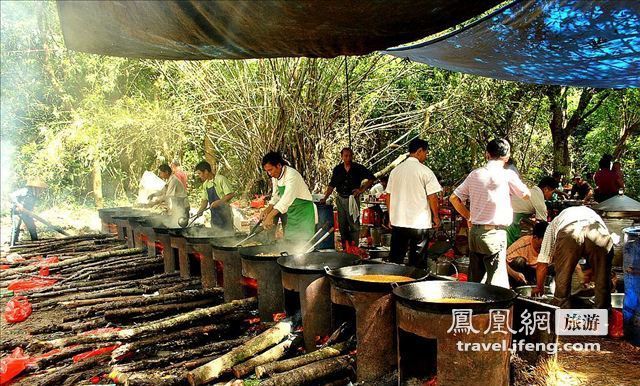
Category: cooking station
<point>402,315</point>
<point>374,312</point>
<point>260,263</point>
<point>304,279</point>
<point>427,345</point>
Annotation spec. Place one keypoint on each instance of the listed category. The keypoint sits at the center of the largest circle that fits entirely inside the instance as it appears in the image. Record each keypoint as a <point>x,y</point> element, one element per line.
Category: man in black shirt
<point>581,190</point>
<point>349,179</point>
<point>25,198</point>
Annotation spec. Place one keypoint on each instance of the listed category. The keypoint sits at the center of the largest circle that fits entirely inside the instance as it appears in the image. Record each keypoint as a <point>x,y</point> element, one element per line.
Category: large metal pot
<point>344,277</point>
<point>230,243</point>
<point>527,291</point>
<point>428,295</point>
<point>379,253</point>
<point>270,252</point>
<point>315,262</point>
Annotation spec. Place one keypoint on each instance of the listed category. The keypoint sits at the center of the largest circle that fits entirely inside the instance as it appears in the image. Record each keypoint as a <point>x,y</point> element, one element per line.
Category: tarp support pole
<point>346,77</point>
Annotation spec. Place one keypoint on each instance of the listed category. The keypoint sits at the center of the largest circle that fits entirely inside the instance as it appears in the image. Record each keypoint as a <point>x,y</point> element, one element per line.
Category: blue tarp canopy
<point>567,42</point>
<point>244,29</point>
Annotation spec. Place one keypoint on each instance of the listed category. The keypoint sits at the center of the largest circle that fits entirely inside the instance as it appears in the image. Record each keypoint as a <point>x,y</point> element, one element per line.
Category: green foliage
<point>66,114</point>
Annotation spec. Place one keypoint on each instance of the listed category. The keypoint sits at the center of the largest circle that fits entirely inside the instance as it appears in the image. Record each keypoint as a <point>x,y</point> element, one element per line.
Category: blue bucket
<point>631,268</point>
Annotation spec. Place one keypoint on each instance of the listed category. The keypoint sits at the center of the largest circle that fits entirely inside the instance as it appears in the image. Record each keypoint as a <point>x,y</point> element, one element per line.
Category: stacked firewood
<point>120,320</point>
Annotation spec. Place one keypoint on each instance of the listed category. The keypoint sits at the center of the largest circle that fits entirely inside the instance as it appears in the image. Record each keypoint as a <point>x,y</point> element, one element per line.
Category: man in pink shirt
<point>177,171</point>
<point>488,190</point>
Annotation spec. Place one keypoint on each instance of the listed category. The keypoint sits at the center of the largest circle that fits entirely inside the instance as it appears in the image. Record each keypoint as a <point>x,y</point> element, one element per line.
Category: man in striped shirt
<point>575,233</point>
<point>488,190</point>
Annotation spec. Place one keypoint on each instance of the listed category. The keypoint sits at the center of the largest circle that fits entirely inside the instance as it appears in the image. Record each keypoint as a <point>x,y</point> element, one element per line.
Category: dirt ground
<point>617,363</point>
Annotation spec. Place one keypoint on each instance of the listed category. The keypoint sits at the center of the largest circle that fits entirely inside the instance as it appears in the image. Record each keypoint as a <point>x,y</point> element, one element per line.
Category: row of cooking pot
<point>415,287</point>
<point>420,289</point>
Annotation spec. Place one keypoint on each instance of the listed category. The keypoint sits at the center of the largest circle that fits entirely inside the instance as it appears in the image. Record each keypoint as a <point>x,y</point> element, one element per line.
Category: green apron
<point>513,231</point>
<point>301,219</point>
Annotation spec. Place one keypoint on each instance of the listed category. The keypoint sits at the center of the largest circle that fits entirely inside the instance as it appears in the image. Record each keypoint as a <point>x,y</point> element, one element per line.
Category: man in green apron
<point>291,195</point>
<point>523,209</point>
<point>216,194</point>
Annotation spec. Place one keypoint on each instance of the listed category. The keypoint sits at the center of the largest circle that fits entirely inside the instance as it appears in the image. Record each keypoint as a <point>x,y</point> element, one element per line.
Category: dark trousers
<point>16,222</point>
<point>349,228</point>
<point>488,256</point>
<point>520,265</point>
<point>403,239</point>
<point>592,242</point>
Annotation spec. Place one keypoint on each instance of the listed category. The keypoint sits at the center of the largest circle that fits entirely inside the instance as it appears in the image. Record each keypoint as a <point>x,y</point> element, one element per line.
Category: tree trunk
<point>97,182</point>
<point>625,133</point>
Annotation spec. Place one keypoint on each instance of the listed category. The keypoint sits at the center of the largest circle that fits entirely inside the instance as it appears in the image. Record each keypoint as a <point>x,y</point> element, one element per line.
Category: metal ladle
<point>185,222</point>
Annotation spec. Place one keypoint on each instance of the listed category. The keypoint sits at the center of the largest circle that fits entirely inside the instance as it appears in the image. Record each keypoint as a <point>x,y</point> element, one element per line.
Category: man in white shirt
<point>575,233</point>
<point>173,194</point>
<point>522,209</point>
<point>412,202</point>
<point>488,190</point>
<point>290,195</point>
<point>378,189</point>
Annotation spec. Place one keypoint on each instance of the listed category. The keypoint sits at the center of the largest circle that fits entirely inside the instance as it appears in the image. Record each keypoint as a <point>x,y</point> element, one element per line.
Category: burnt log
<point>58,377</point>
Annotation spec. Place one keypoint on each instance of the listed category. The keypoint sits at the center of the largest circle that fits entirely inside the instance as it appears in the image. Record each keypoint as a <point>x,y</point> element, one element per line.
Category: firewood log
<point>132,301</point>
<point>127,313</point>
<point>157,342</point>
<point>312,372</point>
<point>292,363</point>
<point>93,256</point>
<point>154,327</point>
<point>96,296</point>
<point>271,355</point>
<point>149,378</point>
<point>59,376</point>
<point>179,355</point>
<point>218,366</point>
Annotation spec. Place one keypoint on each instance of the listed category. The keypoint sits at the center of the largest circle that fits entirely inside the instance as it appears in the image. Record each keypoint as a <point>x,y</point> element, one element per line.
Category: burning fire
<point>431,382</point>
<point>219,273</point>
<point>321,340</point>
<point>249,282</point>
<point>279,316</point>
<point>143,238</point>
